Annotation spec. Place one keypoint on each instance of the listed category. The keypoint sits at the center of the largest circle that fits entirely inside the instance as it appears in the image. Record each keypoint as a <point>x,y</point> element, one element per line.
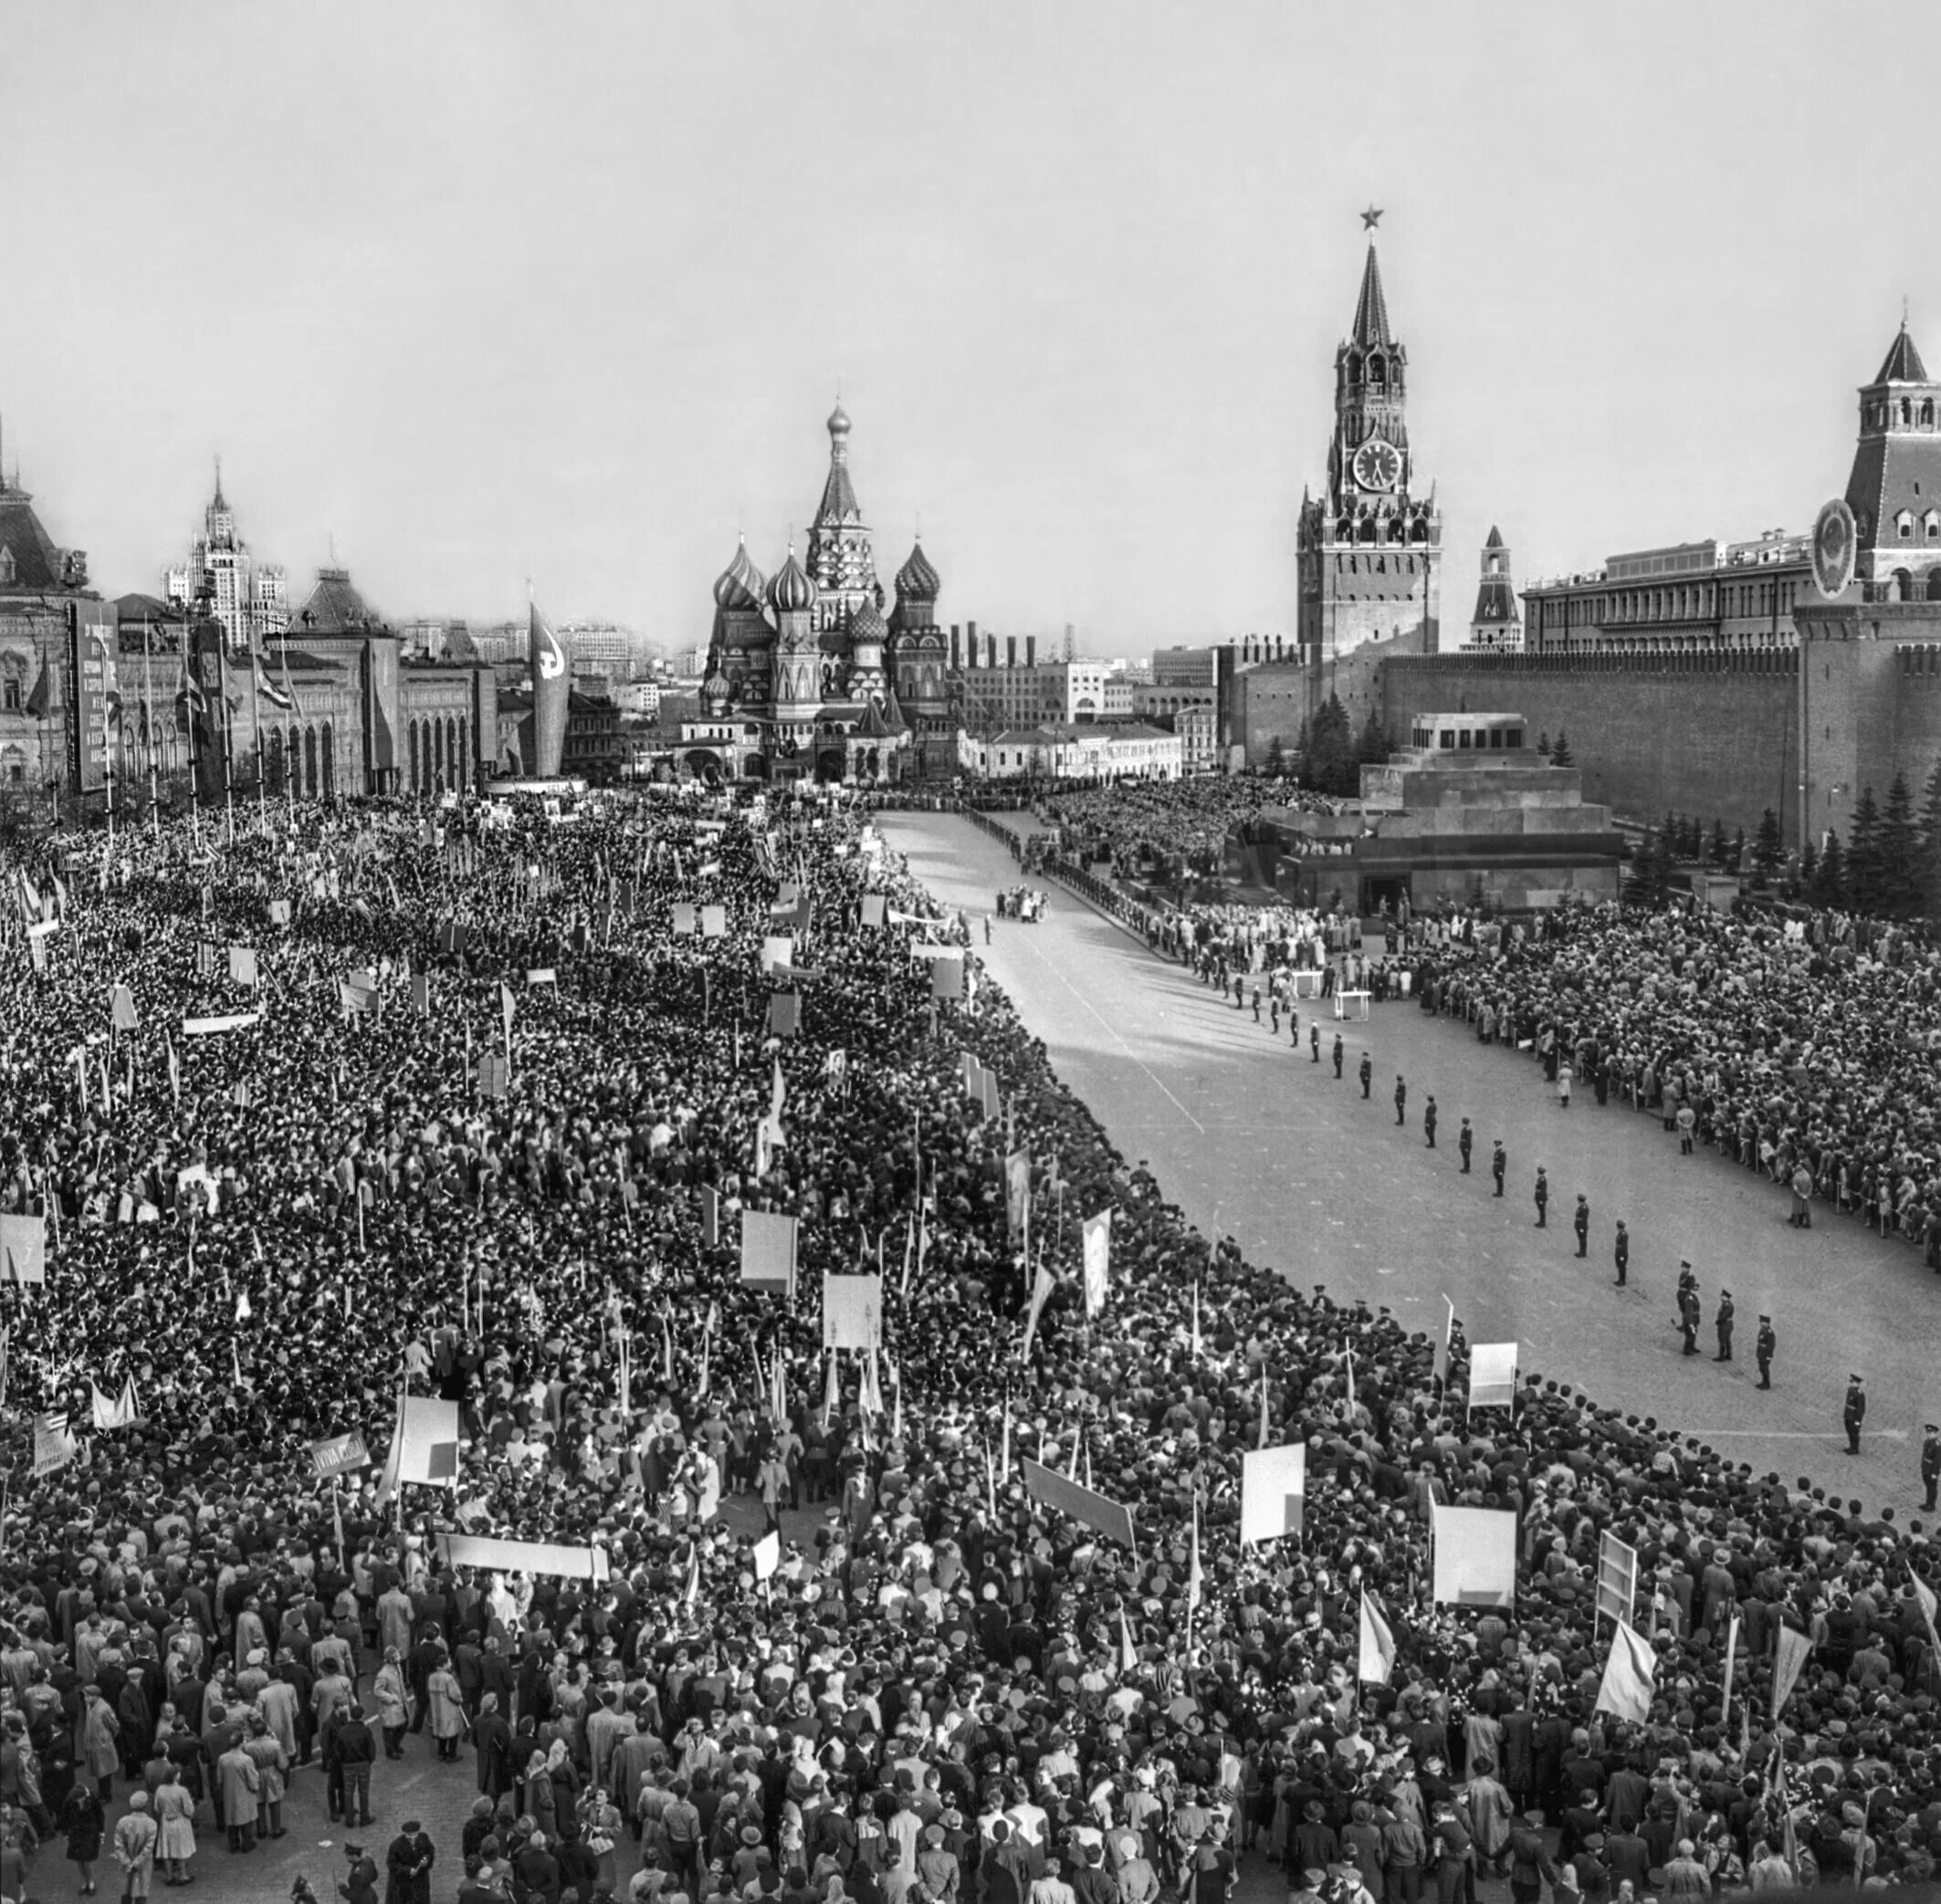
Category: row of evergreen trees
<point>1328,754</point>
<point>1888,866</point>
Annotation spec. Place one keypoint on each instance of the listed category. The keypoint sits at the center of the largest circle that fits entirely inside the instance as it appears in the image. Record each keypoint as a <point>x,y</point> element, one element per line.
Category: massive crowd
<point>946,1691</point>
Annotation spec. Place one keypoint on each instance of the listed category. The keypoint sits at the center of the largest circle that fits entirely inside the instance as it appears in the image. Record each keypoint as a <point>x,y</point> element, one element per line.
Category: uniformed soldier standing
<point>1466,1142</point>
<point>1688,1317</point>
<point>1931,1464</point>
<point>1313,1041</point>
<point>1722,1321</point>
<point>1401,1100</point>
<point>1854,1413</point>
<point>1620,1252</point>
<point>1367,1072</point>
<point>1762,1350</point>
<point>1580,1222</point>
<point>1686,1279</point>
<point>1338,1055</point>
<point>1429,1121</point>
<point>1498,1163</point>
<point>1543,1198</point>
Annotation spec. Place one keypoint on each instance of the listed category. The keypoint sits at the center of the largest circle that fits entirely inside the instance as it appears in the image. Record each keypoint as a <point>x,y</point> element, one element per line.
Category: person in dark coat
<point>408,1865</point>
<point>492,1740</point>
<point>83,1821</point>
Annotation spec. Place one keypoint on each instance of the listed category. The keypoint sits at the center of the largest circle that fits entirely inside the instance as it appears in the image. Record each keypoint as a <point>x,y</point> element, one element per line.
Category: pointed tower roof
<point>1496,537</point>
<point>839,499</point>
<point>1903,364</point>
<point>219,503</point>
<point>1371,309</point>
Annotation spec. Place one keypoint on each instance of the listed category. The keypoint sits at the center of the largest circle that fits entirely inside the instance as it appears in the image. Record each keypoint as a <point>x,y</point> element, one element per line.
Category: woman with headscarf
<point>83,1822</point>
<point>394,1703</point>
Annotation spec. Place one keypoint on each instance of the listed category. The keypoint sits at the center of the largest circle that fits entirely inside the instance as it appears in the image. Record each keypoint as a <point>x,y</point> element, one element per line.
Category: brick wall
<point>1717,741</point>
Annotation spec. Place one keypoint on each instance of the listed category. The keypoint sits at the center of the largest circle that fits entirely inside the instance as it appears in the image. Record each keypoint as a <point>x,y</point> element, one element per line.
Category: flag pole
<point>222,694</point>
<point>148,719</point>
<point>255,732</point>
<point>189,694</point>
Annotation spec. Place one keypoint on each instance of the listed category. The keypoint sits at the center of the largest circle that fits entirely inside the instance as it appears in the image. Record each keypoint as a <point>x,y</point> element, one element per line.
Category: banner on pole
<point>852,1312</point>
<point>768,1251</point>
<point>1475,1556</point>
<point>784,1014</point>
<point>1097,1233</point>
<point>23,1249</point>
<point>1273,1492</point>
<point>1085,1505</point>
<point>219,1022</point>
<point>1617,1587</point>
<point>684,921</point>
<point>242,965</point>
<point>340,1454</point>
<point>714,922</point>
<point>1493,1375</point>
<point>496,1557</point>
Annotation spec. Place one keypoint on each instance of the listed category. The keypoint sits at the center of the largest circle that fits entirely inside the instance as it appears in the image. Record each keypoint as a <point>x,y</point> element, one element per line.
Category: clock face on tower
<point>1378,465</point>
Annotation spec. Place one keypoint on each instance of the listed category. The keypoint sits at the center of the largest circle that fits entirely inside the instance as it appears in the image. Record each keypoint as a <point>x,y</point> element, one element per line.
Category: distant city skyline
<point>521,303</point>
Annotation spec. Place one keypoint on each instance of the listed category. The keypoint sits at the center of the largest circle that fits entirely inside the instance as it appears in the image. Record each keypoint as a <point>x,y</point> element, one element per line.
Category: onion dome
<point>916,579</point>
<point>792,592</point>
<point>739,584</point>
<point>714,688</point>
<point>866,625</point>
<point>838,421</point>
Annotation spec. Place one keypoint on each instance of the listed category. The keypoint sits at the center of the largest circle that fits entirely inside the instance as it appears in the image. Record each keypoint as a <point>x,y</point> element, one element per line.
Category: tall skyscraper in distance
<point>247,597</point>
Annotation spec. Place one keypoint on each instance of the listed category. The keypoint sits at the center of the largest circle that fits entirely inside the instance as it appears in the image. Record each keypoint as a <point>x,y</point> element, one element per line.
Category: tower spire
<point>1371,308</point>
<point>220,504</point>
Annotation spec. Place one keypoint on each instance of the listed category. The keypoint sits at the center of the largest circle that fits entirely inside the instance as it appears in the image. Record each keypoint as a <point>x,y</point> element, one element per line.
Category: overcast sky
<point>497,290</point>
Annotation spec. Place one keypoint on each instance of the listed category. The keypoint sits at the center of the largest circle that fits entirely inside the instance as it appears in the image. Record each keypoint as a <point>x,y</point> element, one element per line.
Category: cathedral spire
<point>1371,309</point>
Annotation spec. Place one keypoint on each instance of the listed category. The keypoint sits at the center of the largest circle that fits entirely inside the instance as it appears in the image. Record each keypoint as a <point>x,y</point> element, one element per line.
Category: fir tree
<point>1277,763</point>
<point>1929,861</point>
<point>1806,873</point>
<point>1897,854</point>
<point>1372,749</point>
<point>1660,872</point>
<point>1863,856</point>
<point>1542,746</point>
<point>1767,851</point>
<point>1736,861</point>
<point>1829,885</point>
<point>1716,853</point>
<point>1561,755</point>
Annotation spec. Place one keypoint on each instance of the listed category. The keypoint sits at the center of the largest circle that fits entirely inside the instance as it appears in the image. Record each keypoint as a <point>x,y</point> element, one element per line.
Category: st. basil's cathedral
<point>806,678</point>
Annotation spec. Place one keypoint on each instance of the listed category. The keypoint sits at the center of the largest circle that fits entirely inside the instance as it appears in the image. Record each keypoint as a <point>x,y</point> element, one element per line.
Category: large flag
<point>1629,1674</point>
<point>267,688</point>
<point>1041,1291</point>
<point>551,692</point>
<point>1924,1593</point>
<point>1195,1589</point>
<point>1378,1644</point>
<point>1789,1659</point>
<point>119,1413</point>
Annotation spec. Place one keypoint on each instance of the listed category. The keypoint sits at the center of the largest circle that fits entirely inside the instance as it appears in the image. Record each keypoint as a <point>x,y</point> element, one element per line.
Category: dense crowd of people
<point>946,1692</point>
<point>1805,1045</point>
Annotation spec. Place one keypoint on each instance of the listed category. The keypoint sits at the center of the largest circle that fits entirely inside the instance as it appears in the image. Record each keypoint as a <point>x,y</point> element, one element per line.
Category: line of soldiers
<point>1853,1410</point>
